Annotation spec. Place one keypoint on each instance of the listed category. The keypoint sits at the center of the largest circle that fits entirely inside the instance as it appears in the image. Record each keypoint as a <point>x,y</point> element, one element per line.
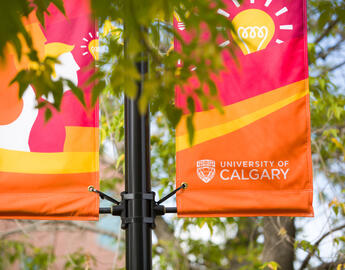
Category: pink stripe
<point>265,71</point>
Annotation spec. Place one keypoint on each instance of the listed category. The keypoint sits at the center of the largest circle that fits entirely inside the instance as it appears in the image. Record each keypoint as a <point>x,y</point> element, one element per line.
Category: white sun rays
<point>88,41</point>
<point>223,12</point>
<point>224,44</point>
<point>282,11</point>
<point>237,4</point>
<point>91,36</point>
<point>227,15</point>
<point>267,4</point>
<point>286,27</point>
<point>181,26</point>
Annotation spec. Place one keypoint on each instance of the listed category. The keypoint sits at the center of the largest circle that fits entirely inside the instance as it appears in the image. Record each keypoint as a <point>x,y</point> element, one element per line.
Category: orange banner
<point>46,167</point>
<point>255,158</point>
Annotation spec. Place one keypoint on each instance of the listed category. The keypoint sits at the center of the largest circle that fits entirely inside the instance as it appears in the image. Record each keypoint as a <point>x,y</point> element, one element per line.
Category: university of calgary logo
<point>206,169</point>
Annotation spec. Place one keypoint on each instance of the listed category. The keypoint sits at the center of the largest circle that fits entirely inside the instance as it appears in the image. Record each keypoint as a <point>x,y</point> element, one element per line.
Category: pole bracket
<point>155,208</point>
<point>123,211</point>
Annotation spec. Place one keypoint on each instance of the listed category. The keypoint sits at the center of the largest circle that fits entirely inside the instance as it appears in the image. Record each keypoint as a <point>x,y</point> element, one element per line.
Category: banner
<point>255,159</point>
<point>46,167</point>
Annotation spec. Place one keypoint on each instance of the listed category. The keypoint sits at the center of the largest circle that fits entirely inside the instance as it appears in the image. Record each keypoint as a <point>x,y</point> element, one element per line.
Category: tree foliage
<point>146,26</point>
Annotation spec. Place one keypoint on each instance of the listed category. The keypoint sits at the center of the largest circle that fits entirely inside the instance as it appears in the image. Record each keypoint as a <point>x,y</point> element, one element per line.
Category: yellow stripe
<point>206,134</point>
<point>48,163</point>
<point>211,118</point>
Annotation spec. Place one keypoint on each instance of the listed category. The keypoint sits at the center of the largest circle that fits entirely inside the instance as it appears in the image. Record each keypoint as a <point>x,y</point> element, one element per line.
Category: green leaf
<point>191,105</point>
<point>190,128</point>
<point>97,90</point>
<point>47,114</point>
<point>77,92</point>
<point>270,265</point>
<point>60,5</point>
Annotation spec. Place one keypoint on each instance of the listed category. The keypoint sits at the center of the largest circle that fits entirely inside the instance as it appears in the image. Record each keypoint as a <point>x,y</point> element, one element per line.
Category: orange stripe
<point>80,139</point>
<point>212,118</point>
<point>51,206</point>
<point>245,203</point>
<point>46,183</point>
<point>60,197</point>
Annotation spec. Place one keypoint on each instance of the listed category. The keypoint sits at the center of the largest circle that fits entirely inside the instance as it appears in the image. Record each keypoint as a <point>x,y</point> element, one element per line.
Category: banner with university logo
<point>46,167</point>
<point>255,159</point>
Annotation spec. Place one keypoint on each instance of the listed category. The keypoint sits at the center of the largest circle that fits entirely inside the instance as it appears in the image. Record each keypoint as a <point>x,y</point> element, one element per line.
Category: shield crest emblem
<point>206,169</point>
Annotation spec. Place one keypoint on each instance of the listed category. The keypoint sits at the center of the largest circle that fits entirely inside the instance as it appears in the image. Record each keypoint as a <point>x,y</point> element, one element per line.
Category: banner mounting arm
<point>120,208</point>
<point>183,186</point>
<point>103,196</point>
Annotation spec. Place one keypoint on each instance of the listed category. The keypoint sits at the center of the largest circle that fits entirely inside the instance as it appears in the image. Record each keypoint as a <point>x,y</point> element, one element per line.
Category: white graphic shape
<point>282,11</point>
<point>206,169</point>
<point>237,4</point>
<point>67,69</point>
<point>181,26</point>
<point>15,136</point>
<point>223,12</point>
<point>252,32</point>
<point>278,41</point>
<point>224,44</point>
<point>268,2</point>
<point>286,27</point>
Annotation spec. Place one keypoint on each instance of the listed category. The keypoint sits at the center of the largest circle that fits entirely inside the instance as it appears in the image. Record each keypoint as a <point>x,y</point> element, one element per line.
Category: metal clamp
<point>121,208</point>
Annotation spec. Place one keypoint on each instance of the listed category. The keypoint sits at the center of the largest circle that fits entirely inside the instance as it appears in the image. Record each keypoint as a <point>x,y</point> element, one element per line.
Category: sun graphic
<point>92,45</point>
<point>254,27</point>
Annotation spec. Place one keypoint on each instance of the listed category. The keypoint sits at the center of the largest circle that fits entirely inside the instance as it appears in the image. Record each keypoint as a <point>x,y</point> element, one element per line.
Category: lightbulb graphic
<point>254,30</point>
<point>254,27</point>
<point>92,46</point>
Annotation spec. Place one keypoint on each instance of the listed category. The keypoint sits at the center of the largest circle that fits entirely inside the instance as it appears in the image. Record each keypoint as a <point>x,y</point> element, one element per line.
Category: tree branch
<point>317,243</point>
<point>319,131</point>
<point>34,226</point>
<point>330,265</point>
<point>336,67</point>
<point>166,236</point>
<point>325,33</point>
<point>324,53</point>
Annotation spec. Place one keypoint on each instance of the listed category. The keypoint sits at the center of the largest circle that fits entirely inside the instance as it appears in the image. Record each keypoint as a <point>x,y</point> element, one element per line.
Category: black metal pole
<point>138,181</point>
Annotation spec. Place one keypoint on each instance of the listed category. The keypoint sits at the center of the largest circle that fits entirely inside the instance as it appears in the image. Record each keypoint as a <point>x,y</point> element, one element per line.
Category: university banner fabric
<point>255,159</point>
<point>46,167</point>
